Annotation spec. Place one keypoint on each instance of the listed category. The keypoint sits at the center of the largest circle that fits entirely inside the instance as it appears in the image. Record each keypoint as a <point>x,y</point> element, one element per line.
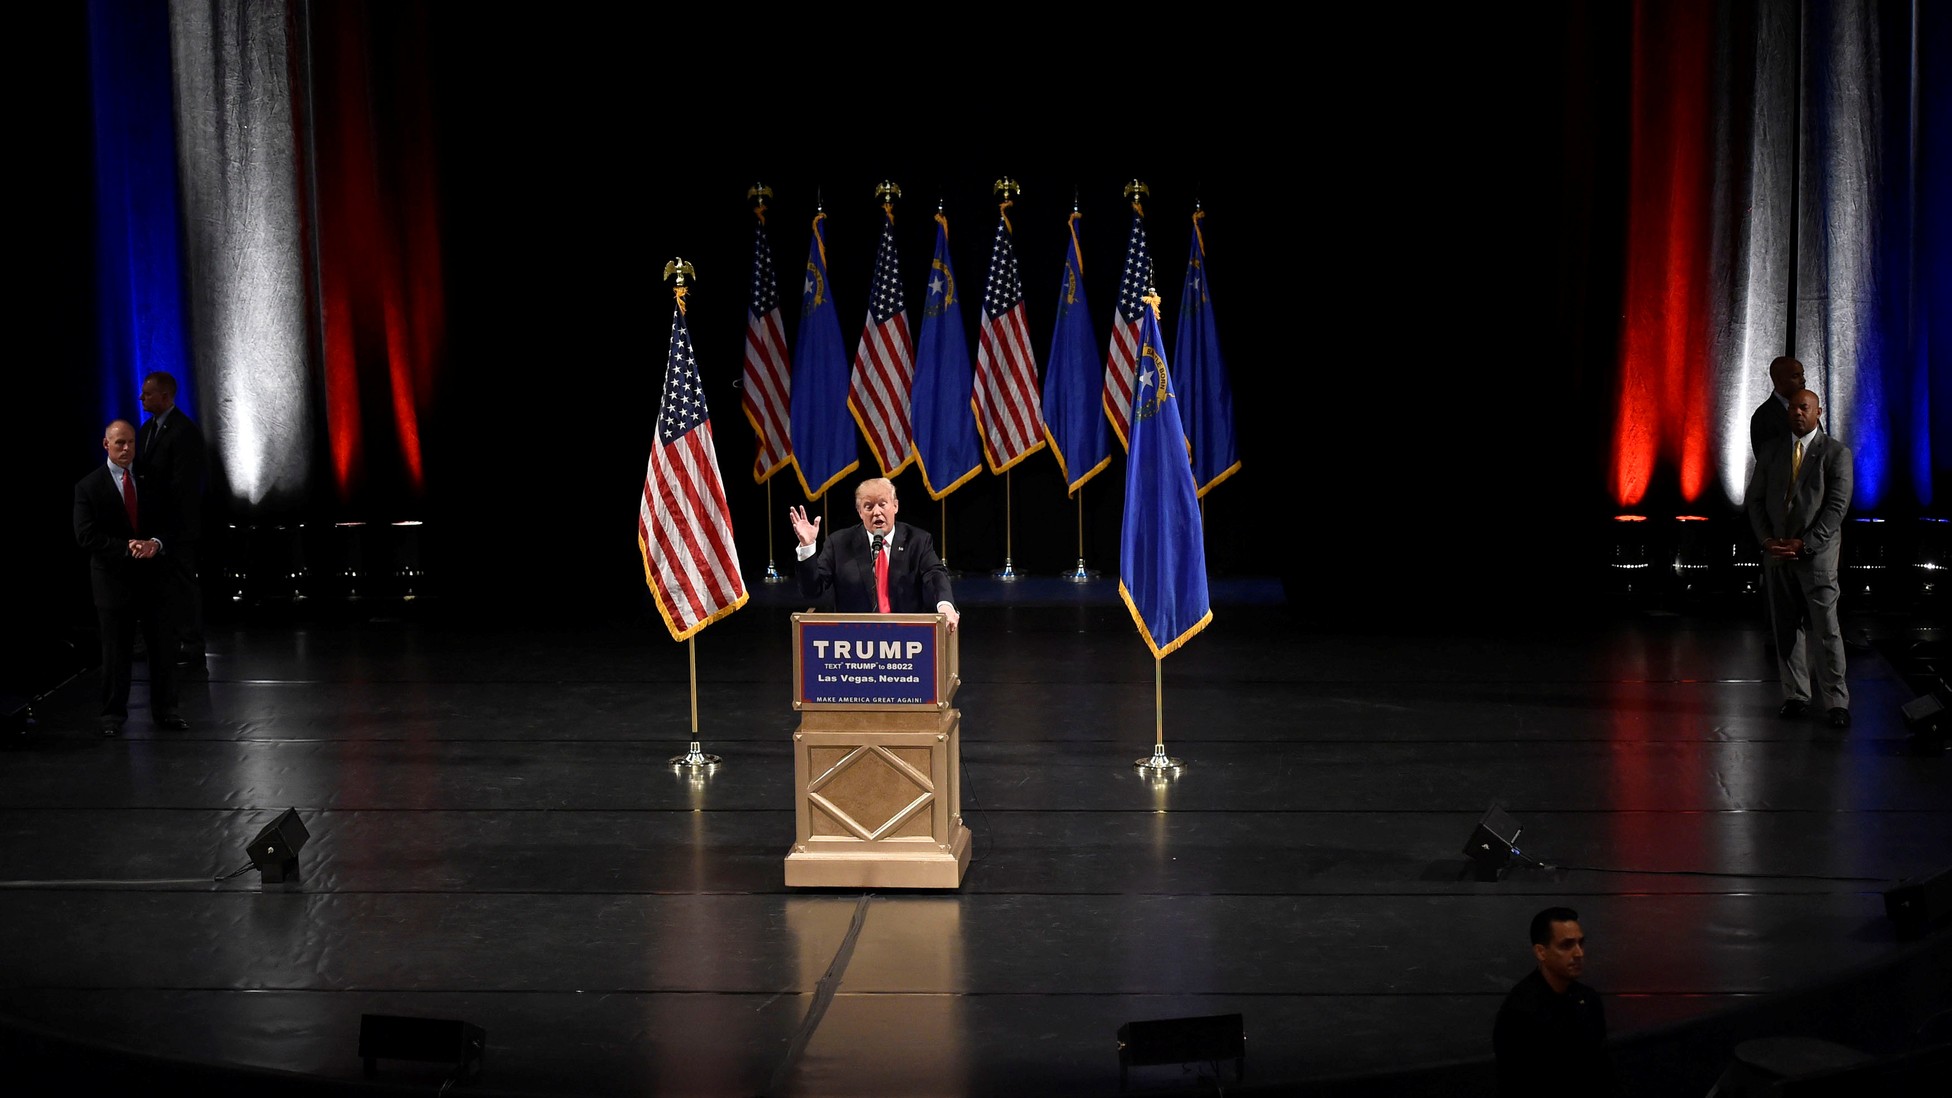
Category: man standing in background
<point>125,568</point>
<point>1770,423</point>
<point>1796,503</point>
<point>169,471</point>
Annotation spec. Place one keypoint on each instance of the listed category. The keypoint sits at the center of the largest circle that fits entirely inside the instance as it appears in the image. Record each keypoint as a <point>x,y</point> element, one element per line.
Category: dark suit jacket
<point>102,530</point>
<point>1768,425</point>
<point>169,477</point>
<point>1813,508</point>
<point>916,578</point>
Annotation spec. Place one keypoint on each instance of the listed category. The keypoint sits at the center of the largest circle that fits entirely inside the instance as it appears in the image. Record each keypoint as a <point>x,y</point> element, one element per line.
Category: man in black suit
<point>1769,424</point>
<point>1550,1037</point>
<point>169,471</point>
<point>881,565</point>
<point>125,566</point>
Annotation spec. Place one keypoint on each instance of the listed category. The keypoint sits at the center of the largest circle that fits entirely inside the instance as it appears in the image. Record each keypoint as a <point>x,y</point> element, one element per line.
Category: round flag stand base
<point>1160,764</point>
<point>772,574</point>
<point>1006,572</point>
<point>694,758</point>
<point>1081,574</point>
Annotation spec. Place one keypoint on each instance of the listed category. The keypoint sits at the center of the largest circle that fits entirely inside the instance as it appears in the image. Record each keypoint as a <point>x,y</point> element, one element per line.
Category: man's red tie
<point>129,499</point>
<point>881,573</point>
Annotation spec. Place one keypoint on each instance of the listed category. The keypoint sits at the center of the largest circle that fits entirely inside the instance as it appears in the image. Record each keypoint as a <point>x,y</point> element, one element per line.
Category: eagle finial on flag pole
<point>680,270</point>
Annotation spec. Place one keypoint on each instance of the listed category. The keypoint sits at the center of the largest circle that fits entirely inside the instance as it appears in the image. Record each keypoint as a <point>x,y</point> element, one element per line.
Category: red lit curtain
<point>372,178</point>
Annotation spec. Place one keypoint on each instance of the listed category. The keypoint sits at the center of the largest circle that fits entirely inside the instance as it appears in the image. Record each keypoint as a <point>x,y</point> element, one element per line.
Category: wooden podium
<point>877,759</point>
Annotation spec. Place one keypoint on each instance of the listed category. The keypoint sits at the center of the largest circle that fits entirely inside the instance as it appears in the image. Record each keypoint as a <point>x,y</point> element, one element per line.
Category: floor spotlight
<point>1916,903</point>
<point>1492,843</point>
<point>1925,719</point>
<point>275,850</point>
<point>429,1040</point>
<point>1203,1040</point>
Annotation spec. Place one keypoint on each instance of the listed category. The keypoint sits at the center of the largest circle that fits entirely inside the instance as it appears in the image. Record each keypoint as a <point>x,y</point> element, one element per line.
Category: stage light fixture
<point>275,849</point>
<point>351,554</point>
<point>1925,719</point>
<point>267,563</point>
<point>1627,553</point>
<point>1694,553</point>
<point>1208,1039</point>
<point>1865,568</point>
<point>1915,904</point>
<point>1932,561</point>
<point>407,570</point>
<point>431,1040</point>
<point>1745,559</point>
<point>1492,843</point>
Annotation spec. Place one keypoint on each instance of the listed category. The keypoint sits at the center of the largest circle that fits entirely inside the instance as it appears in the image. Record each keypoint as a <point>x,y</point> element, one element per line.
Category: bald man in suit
<point>1796,504</point>
<point>126,570</point>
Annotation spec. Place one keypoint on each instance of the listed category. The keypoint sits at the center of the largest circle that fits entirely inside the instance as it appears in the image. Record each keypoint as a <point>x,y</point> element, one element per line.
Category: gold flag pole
<point>1081,574</point>
<point>1007,187</point>
<point>772,570</point>
<point>953,574</point>
<point>1007,573</point>
<point>757,194</point>
<point>693,759</point>
<point>1159,764</point>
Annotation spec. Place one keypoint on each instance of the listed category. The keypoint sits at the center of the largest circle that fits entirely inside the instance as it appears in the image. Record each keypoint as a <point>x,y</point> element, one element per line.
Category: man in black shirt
<point>1551,1031</point>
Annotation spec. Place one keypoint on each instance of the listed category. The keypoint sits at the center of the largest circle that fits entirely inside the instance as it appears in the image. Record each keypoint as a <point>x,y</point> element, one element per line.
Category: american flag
<point>768,375</point>
<point>1006,368</point>
<point>884,364</point>
<point>1124,351</point>
<point>684,528</point>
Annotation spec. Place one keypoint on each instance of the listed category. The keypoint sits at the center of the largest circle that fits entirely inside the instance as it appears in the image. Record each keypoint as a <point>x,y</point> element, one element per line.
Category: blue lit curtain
<point>141,320</point>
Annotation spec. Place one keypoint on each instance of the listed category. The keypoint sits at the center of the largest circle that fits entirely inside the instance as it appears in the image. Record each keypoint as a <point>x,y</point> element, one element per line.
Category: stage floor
<point>496,836</point>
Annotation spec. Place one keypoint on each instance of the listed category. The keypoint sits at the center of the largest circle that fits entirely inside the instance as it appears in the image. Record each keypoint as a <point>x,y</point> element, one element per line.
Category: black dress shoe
<point>172,721</point>
<point>111,726</point>
<point>1839,717</point>
<point>1794,707</point>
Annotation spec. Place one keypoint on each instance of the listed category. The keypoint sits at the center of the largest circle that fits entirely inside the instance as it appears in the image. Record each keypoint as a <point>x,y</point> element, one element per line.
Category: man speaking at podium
<point>883,565</point>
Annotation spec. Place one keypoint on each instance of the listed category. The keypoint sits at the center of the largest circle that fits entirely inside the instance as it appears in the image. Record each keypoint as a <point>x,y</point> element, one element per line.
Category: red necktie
<point>881,573</point>
<point>129,499</point>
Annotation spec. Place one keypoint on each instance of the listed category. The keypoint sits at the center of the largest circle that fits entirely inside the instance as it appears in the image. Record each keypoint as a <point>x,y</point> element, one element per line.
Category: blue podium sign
<point>869,661</point>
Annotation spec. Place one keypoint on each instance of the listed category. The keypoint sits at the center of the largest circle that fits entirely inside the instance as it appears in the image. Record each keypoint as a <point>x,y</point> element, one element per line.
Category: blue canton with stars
<point>885,301</point>
<point>1138,269</point>
<point>1004,288</point>
<point>765,293</point>
<point>684,394</point>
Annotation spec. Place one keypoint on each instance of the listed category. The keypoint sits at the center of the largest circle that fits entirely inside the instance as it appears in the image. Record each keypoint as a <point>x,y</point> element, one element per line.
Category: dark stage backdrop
<point>1402,262</point>
<point>1416,228</point>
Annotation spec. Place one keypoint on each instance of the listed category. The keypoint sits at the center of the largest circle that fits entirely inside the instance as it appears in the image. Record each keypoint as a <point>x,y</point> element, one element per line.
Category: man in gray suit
<point>1770,423</point>
<point>1796,504</point>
